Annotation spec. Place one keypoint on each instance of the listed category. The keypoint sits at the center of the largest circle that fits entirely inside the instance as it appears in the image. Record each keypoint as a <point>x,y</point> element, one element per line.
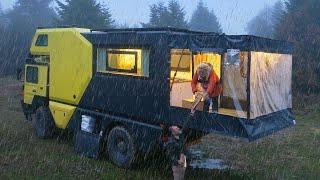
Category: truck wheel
<point>121,148</point>
<point>44,124</point>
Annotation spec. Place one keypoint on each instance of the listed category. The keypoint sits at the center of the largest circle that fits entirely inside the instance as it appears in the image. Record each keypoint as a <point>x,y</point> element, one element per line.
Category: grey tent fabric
<point>270,83</point>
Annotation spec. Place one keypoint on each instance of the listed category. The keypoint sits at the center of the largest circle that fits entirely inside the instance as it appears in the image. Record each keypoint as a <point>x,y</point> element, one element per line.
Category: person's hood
<point>204,70</point>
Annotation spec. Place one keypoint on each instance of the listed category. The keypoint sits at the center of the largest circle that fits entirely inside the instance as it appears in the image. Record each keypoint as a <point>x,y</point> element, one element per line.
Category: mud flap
<point>88,144</point>
<point>27,110</point>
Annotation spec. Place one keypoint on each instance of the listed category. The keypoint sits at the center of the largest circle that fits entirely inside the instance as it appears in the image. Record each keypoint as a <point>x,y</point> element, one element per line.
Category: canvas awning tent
<point>255,73</point>
<point>257,87</point>
<point>268,72</point>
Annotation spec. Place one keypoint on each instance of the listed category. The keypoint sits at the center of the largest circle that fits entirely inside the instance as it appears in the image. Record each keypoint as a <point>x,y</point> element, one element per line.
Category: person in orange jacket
<point>210,83</point>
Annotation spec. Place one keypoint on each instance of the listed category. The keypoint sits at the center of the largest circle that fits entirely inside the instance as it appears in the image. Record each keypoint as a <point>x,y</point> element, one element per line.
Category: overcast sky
<point>232,14</point>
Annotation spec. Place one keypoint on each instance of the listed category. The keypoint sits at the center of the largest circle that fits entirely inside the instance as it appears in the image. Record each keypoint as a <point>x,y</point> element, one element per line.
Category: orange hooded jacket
<point>213,86</point>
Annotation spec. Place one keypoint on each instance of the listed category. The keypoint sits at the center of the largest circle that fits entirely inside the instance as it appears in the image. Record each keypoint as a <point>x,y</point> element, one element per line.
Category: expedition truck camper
<point>119,90</point>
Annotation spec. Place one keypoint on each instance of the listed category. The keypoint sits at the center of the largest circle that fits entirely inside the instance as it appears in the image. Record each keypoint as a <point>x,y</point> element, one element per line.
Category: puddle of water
<point>199,161</point>
<point>211,164</point>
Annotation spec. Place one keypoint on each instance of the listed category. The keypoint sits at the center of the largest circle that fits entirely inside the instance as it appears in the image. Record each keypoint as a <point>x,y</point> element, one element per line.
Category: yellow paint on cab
<point>70,62</point>
<point>61,113</point>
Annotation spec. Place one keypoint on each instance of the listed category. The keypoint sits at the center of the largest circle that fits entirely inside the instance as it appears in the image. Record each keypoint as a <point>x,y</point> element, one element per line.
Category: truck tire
<point>44,124</point>
<point>121,147</point>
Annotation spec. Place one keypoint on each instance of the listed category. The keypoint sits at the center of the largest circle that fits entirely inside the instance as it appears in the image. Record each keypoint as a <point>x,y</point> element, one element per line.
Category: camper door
<point>234,80</point>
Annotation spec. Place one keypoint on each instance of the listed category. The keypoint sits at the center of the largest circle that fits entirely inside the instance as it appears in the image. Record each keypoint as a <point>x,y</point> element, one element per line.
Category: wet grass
<point>292,153</point>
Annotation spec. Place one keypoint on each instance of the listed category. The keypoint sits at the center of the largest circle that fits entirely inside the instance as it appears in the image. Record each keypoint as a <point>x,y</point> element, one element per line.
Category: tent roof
<point>183,38</point>
<point>154,30</point>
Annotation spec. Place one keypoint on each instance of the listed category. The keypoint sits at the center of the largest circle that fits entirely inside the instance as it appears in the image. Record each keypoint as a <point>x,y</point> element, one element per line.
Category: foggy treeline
<point>18,24</point>
<point>173,15</point>
<point>297,21</point>
<point>265,22</point>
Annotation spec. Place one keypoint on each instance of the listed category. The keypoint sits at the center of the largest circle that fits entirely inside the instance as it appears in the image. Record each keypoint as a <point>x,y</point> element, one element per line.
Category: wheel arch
<point>37,102</point>
<point>145,135</point>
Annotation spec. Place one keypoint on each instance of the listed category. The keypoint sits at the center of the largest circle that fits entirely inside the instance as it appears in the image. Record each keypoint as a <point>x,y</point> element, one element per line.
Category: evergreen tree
<point>293,5</point>
<point>262,24</point>
<point>176,15</point>
<point>1,17</point>
<point>84,13</point>
<point>122,26</point>
<point>163,16</point>
<point>21,22</point>
<point>204,20</point>
<point>278,12</point>
<point>154,17</point>
<point>301,25</point>
<point>1,11</point>
<point>30,14</point>
<point>2,22</point>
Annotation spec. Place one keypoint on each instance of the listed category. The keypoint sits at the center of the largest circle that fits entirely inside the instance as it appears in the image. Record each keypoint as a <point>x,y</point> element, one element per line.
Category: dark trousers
<point>207,102</point>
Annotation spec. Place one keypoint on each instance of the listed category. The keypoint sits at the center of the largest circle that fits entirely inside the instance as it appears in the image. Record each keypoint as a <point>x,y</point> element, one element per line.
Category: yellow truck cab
<point>119,90</point>
<point>57,57</point>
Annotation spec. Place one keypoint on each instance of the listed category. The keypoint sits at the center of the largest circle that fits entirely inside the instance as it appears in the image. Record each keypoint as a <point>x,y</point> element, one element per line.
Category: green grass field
<point>290,154</point>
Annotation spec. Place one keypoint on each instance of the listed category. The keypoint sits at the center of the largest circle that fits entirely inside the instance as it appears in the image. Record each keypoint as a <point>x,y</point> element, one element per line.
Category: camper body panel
<point>61,113</point>
<point>62,62</point>
<point>147,136</point>
<point>70,67</point>
<point>70,56</point>
<point>145,98</point>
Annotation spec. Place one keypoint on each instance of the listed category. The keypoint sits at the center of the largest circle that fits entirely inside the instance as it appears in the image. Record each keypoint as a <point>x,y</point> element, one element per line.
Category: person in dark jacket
<point>210,84</point>
<point>176,152</point>
<point>176,145</point>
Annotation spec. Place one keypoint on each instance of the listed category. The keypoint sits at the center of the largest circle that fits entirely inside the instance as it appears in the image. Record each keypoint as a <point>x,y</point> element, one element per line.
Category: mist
<point>126,82</point>
<point>232,14</point>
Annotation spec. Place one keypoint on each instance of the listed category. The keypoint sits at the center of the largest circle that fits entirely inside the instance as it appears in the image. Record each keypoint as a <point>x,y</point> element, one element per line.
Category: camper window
<point>123,61</point>
<point>32,75</point>
<point>42,40</point>
<point>233,57</point>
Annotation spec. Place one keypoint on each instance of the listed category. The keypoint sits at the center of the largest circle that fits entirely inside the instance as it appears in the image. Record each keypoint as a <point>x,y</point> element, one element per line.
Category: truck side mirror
<point>19,74</point>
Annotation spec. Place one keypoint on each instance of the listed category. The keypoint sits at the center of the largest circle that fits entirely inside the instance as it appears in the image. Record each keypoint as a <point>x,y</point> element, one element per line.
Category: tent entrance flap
<point>234,82</point>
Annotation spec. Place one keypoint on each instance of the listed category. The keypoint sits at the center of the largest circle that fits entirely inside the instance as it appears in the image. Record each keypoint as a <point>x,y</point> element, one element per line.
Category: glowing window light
<point>122,61</point>
<point>133,62</point>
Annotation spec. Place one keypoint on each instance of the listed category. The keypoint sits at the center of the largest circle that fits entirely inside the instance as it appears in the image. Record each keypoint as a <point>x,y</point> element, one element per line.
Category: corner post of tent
<point>192,63</point>
<point>248,85</point>
<point>222,54</point>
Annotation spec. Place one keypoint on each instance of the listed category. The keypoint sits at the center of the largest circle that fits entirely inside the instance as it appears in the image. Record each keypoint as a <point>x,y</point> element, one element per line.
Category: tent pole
<point>248,86</point>
<point>222,55</point>
<point>192,63</point>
